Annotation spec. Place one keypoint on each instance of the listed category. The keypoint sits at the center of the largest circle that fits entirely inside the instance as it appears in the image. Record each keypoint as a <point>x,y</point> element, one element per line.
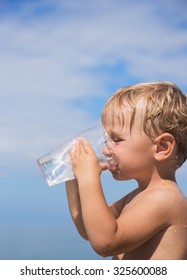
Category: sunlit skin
<point>148,223</point>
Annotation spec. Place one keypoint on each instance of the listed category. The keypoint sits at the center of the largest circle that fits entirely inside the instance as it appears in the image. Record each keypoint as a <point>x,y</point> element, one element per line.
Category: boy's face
<point>132,148</point>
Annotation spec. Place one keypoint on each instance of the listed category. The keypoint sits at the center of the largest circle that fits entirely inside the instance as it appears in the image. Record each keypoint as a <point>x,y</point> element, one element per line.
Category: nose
<point>107,150</point>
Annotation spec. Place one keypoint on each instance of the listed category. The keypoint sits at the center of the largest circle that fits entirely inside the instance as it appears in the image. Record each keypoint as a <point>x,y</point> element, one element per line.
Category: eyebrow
<point>118,134</point>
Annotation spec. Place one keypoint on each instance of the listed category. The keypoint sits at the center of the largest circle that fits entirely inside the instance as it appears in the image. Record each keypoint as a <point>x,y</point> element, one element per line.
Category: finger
<point>81,145</point>
<point>104,166</point>
<point>86,145</point>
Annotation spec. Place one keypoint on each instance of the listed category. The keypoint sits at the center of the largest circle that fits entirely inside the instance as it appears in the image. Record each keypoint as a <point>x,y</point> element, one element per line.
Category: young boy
<point>147,124</point>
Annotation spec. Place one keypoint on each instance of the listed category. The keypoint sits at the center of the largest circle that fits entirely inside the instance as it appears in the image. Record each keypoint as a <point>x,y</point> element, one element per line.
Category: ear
<point>165,146</point>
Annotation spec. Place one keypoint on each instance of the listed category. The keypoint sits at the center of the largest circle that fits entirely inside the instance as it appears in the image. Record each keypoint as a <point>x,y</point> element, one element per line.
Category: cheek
<point>121,154</point>
<point>133,154</point>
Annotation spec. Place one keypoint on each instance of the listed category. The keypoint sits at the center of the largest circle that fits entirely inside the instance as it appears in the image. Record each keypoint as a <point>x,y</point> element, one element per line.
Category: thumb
<point>104,166</point>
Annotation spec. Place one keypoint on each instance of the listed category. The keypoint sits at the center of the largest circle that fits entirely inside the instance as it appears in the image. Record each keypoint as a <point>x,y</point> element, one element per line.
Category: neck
<point>157,177</point>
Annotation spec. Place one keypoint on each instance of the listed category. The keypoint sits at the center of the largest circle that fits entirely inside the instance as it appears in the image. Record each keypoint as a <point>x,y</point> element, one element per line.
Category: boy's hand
<point>84,160</point>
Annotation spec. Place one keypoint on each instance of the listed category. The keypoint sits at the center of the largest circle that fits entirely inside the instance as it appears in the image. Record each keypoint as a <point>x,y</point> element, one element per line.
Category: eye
<point>116,139</point>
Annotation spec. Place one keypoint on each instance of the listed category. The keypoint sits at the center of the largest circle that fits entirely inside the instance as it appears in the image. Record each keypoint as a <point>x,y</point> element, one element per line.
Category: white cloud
<point>47,62</point>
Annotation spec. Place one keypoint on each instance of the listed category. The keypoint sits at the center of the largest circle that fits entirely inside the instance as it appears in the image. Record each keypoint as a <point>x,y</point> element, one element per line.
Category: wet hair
<point>164,110</point>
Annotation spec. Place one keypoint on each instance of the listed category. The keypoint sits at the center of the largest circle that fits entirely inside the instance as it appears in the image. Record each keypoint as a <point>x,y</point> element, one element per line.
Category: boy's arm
<point>118,206</point>
<point>75,207</point>
<point>99,220</point>
<point>108,235</point>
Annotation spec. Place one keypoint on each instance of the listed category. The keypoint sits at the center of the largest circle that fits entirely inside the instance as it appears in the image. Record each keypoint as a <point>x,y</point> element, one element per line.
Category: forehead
<point>116,121</point>
<point>118,118</point>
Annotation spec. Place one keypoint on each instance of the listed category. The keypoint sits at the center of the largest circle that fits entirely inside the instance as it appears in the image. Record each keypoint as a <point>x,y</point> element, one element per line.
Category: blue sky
<point>59,63</point>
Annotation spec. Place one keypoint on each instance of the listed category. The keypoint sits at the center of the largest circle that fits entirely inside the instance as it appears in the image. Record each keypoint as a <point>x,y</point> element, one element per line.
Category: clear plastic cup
<point>56,165</point>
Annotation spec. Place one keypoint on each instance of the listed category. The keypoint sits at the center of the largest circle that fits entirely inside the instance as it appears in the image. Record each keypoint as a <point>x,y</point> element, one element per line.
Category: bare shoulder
<point>153,214</point>
<point>170,193</point>
<point>164,201</point>
<point>169,198</point>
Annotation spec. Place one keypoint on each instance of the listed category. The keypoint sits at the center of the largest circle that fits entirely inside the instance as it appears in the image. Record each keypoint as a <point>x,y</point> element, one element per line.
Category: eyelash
<point>116,140</point>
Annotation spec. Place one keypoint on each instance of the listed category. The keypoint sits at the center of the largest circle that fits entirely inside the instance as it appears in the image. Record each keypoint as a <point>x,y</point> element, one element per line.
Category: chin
<point>117,176</point>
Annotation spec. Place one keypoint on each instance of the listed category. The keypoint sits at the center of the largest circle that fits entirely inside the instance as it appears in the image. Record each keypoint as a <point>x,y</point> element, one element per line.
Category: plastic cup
<point>56,165</point>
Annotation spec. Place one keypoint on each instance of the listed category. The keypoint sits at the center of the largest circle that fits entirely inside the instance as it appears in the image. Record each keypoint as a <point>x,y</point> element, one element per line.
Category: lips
<point>113,169</point>
<point>113,165</point>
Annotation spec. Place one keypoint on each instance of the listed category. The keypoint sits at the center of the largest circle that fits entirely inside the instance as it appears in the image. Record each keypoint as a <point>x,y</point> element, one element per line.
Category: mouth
<point>113,166</point>
<point>113,170</point>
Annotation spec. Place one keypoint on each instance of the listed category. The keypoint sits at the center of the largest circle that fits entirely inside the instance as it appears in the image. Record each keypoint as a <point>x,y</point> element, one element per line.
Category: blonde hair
<point>165,111</point>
